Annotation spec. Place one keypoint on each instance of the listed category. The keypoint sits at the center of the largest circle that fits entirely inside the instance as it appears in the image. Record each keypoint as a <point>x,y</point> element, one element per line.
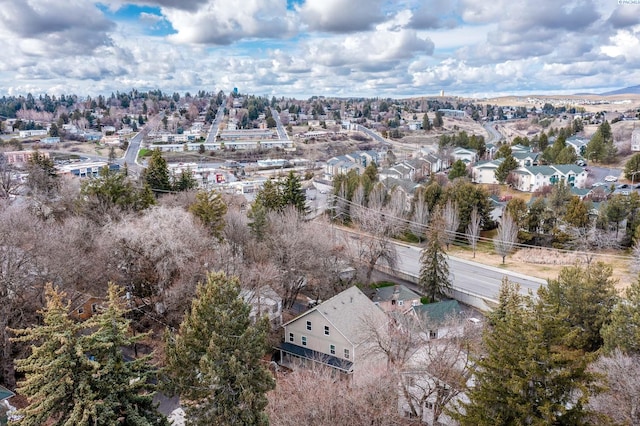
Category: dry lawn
<point>543,263</point>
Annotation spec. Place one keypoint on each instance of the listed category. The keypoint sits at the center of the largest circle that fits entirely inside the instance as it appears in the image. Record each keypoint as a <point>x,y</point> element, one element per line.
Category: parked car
<point>610,178</point>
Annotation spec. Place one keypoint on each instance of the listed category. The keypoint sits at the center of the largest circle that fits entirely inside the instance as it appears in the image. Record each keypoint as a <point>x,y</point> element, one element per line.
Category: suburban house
<point>531,178</point>
<point>396,298</point>
<point>485,171</point>
<point>341,165</point>
<point>578,144</point>
<point>433,163</point>
<point>468,156</point>
<point>358,161</point>
<point>32,133</point>
<point>435,318</point>
<point>264,301</point>
<point>526,159</point>
<point>85,306</point>
<point>334,334</point>
<point>83,170</point>
<point>534,178</point>
<point>398,171</point>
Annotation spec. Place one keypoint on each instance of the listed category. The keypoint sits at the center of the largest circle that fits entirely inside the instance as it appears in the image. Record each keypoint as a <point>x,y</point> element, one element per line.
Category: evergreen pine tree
<point>292,193</point>
<point>58,372</point>
<point>584,297</point>
<point>123,392</point>
<point>508,165</point>
<point>426,123</point>
<point>527,376</point>
<point>270,196</point>
<point>156,175</point>
<point>210,209</point>
<point>185,181</point>
<point>76,373</point>
<point>438,121</point>
<point>623,331</point>
<point>434,267</point>
<point>43,177</point>
<point>213,362</point>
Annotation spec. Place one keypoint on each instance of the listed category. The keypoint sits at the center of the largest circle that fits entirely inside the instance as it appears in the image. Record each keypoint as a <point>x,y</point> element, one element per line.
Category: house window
<point>81,310</point>
<point>346,353</point>
<point>432,334</point>
<point>291,339</point>
<point>400,302</point>
<point>332,349</point>
<point>309,325</point>
<point>326,330</point>
<point>304,341</point>
<point>94,308</point>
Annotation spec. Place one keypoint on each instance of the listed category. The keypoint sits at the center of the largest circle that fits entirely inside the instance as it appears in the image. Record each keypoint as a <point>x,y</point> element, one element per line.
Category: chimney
<point>396,294</point>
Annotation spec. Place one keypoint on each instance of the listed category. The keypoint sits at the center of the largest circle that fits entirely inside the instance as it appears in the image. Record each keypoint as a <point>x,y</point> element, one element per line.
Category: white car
<point>610,178</point>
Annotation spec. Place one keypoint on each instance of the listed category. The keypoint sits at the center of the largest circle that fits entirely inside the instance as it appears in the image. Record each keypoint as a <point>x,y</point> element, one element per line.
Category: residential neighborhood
<point>319,219</point>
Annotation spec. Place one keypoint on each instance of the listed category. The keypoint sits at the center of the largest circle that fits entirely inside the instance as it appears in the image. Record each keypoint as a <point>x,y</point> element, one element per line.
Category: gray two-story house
<point>336,334</point>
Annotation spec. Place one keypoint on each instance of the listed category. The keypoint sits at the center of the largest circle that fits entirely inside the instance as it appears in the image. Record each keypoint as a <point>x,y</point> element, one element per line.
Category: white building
<point>32,133</point>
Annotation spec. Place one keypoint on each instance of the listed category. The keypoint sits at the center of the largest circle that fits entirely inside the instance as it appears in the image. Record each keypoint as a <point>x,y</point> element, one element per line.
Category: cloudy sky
<point>302,48</point>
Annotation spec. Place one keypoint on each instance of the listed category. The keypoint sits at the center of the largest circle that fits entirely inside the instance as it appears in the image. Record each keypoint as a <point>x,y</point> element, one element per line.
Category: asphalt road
<point>494,135</point>
<point>468,276</point>
<point>472,277</point>
<point>131,156</point>
<point>375,135</point>
<point>215,126</point>
<point>282,133</point>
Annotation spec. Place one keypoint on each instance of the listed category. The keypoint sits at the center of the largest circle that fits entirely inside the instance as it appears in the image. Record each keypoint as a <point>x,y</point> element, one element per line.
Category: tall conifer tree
<point>213,362</point>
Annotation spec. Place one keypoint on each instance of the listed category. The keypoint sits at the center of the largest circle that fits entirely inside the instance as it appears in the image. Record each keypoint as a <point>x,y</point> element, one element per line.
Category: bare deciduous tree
<point>507,236</point>
<point>298,251</point>
<point>20,286</point>
<point>439,371</point>
<point>420,216</point>
<point>9,183</point>
<point>621,399</point>
<point>431,372</point>
<point>374,245</point>
<point>473,230</point>
<point>377,196</point>
<point>162,255</point>
<point>451,220</point>
<point>316,397</point>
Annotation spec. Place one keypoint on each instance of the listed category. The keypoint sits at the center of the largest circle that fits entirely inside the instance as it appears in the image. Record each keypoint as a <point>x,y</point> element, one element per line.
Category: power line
<point>462,235</point>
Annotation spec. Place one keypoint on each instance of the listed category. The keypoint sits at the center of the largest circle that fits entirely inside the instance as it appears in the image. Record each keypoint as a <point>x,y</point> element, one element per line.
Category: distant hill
<point>632,90</point>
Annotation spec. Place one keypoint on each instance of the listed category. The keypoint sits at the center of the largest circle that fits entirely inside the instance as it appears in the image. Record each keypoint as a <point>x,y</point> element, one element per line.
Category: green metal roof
<point>438,312</point>
<point>5,393</point>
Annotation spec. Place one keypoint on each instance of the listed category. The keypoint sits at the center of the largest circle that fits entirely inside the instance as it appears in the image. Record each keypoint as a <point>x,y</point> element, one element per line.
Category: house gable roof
<point>541,170</point>
<point>568,168</point>
<point>384,294</point>
<point>346,311</point>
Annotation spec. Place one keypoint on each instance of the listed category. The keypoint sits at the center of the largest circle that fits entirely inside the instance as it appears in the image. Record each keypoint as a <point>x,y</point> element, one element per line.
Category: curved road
<point>494,135</point>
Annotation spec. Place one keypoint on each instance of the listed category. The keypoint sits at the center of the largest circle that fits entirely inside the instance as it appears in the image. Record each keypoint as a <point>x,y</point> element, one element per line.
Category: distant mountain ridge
<point>631,90</point>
